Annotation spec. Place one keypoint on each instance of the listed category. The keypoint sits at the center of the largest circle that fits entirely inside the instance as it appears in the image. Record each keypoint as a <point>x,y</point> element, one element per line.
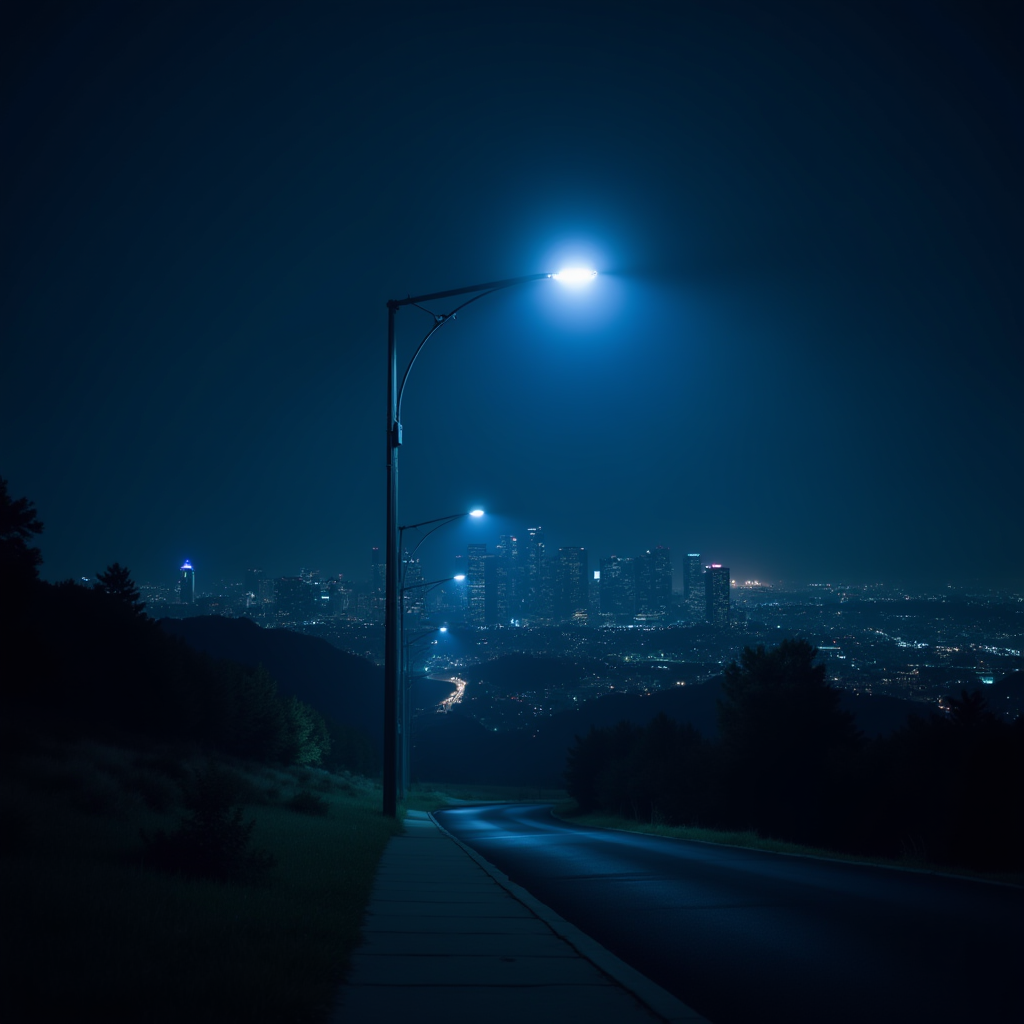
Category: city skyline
<point>802,353</point>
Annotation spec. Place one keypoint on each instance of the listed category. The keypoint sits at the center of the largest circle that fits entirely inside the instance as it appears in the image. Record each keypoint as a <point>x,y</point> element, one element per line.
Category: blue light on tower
<point>187,584</point>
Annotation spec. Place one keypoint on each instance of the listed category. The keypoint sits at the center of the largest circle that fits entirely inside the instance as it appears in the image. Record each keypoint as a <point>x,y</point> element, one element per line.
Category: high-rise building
<point>571,585</point>
<point>508,585</point>
<point>716,586</point>
<point>654,584</point>
<point>617,588</point>
<point>413,591</point>
<point>482,578</point>
<point>187,584</point>
<point>693,588</point>
<point>378,586</point>
<point>533,584</point>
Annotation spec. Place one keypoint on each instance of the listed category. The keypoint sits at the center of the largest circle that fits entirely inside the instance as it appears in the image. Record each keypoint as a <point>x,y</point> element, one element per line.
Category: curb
<point>653,996</point>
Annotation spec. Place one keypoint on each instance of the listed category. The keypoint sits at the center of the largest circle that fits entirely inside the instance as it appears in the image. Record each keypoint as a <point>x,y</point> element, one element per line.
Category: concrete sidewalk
<point>447,937</point>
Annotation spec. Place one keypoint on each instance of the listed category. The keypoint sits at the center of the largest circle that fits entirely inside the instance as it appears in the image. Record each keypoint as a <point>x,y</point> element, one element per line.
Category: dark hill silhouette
<point>513,673</point>
<point>341,686</point>
<point>537,757</point>
<point>1005,697</point>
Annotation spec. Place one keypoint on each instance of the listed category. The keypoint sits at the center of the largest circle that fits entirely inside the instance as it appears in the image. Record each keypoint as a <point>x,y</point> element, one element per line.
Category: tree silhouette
<point>785,739</point>
<point>19,562</point>
<point>117,583</point>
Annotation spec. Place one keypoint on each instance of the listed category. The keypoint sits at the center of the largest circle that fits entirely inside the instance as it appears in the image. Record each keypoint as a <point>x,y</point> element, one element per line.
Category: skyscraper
<point>693,588</point>
<point>618,590</point>
<point>413,591</point>
<point>571,585</point>
<point>716,585</point>
<point>187,584</point>
<point>654,584</point>
<point>508,582</point>
<point>533,595</point>
<point>378,577</point>
<point>482,578</point>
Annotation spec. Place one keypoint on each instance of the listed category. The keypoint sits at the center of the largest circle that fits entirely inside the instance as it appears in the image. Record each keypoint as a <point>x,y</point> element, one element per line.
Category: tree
<point>18,525</point>
<point>117,583</point>
<point>785,739</point>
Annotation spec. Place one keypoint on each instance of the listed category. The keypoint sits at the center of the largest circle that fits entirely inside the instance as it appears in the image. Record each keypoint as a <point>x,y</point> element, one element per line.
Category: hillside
<point>341,686</point>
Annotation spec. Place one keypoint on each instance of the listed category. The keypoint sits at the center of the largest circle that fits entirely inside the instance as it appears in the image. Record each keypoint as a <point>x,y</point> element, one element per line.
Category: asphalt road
<point>749,938</point>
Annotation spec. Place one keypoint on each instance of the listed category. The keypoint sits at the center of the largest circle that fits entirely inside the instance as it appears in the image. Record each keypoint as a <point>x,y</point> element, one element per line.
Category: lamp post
<point>393,556</point>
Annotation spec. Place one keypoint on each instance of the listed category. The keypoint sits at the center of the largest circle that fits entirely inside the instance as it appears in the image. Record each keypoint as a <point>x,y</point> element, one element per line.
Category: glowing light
<point>477,513</point>
<point>575,275</point>
<point>443,629</point>
<point>187,565</point>
<point>460,577</point>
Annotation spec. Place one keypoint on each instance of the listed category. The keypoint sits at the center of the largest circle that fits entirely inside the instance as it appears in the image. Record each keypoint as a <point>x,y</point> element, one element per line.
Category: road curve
<point>746,937</point>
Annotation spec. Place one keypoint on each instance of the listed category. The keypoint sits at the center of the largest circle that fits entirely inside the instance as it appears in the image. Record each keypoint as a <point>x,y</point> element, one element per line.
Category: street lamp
<point>392,592</point>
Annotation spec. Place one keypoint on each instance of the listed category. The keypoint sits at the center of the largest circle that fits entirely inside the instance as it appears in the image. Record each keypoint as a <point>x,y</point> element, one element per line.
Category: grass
<point>568,811</point>
<point>92,934</point>
<point>428,796</point>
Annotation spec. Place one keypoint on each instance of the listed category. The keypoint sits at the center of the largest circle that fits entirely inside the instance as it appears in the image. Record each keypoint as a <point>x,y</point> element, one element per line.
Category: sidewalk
<point>447,937</point>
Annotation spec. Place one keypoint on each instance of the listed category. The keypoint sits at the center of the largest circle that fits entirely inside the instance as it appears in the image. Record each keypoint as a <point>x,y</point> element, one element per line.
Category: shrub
<point>306,802</point>
<point>214,841</point>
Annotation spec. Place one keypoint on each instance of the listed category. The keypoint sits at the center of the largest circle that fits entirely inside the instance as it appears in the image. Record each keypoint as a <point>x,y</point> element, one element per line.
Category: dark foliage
<point>19,561</point>
<point>341,686</point>
<point>116,582</point>
<point>784,743</point>
<point>306,802</point>
<point>213,841</point>
<point>89,665</point>
<point>789,763</point>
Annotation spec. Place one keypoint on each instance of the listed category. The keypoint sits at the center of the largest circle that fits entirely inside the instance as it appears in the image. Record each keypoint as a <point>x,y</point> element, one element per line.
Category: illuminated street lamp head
<point>477,513</point>
<point>575,275</point>
<point>460,577</point>
<point>443,629</point>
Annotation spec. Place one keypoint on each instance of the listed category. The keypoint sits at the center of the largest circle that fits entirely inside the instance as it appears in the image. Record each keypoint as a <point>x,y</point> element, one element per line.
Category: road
<point>746,937</point>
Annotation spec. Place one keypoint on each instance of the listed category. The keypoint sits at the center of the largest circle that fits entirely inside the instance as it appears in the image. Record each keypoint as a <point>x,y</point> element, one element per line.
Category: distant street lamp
<point>404,717</point>
<point>392,592</point>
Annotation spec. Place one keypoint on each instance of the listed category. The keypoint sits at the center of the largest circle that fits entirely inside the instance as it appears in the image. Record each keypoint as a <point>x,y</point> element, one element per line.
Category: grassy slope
<point>90,934</point>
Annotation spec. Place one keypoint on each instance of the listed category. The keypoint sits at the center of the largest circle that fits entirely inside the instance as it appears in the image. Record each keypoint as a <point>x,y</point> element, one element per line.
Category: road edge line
<point>657,999</point>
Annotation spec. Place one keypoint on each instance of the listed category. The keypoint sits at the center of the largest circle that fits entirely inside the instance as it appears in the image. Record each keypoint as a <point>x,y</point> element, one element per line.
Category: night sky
<point>802,357</point>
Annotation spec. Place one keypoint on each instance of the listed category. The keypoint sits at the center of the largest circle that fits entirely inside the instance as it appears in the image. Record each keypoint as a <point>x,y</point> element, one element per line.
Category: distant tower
<point>572,594</point>
<point>508,599</point>
<point>654,583</point>
<point>187,584</point>
<point>413,591</point>
<point>618,589</point>
<point>378,578</point>
<point>693,588</point>
<point>716,585</point>
<point>533,591</point>
<point>483,586</point>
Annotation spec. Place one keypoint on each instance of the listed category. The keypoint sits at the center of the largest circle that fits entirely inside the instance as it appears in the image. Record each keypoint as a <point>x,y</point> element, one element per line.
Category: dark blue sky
<point>802,357</point>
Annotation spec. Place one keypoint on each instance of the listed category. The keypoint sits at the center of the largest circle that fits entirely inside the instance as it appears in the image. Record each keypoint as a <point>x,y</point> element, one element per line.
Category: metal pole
<point>392,627</point>
<point>392,639</point>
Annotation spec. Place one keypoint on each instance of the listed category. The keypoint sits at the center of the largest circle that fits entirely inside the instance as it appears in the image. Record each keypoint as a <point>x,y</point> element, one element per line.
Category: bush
<point>306,802</point>
<point>214,841</point>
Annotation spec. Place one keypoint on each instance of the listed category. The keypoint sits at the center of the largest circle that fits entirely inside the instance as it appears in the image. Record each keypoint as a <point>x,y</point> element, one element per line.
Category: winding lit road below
<point>750,938</point>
